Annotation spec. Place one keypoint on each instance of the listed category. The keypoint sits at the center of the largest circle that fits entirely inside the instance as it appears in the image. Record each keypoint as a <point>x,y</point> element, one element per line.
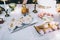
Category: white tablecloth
<point>28,33</point>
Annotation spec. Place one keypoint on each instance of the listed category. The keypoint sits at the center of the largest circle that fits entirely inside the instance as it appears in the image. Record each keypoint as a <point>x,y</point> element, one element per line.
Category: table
<point>28,33</point>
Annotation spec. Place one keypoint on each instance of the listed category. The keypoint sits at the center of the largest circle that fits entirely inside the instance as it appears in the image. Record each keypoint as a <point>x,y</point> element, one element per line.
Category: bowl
<point>1,21</point>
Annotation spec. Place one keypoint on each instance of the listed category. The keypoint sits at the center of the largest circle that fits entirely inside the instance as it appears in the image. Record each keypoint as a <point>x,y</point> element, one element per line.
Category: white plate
<point>28,19</point>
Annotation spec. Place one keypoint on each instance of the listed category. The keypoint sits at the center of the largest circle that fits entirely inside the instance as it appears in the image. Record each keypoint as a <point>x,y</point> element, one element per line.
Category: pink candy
<point>43,14</point>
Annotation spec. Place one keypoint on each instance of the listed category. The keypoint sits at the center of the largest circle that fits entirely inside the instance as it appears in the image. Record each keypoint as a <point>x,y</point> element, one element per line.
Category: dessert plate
<point>22,23</point>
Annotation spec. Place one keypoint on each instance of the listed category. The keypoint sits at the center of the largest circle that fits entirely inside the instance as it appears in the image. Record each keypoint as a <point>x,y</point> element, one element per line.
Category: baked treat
<point>47,27</point>
<point>41,32</point>
<point>43,26</point>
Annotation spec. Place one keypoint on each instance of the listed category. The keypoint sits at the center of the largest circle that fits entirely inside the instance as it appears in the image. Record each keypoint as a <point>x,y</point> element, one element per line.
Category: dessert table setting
<point>29,21</point>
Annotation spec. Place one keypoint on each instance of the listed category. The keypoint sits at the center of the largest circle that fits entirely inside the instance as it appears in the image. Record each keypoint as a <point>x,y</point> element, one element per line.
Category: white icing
<point>46,25</point>
<point>50,30</point>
